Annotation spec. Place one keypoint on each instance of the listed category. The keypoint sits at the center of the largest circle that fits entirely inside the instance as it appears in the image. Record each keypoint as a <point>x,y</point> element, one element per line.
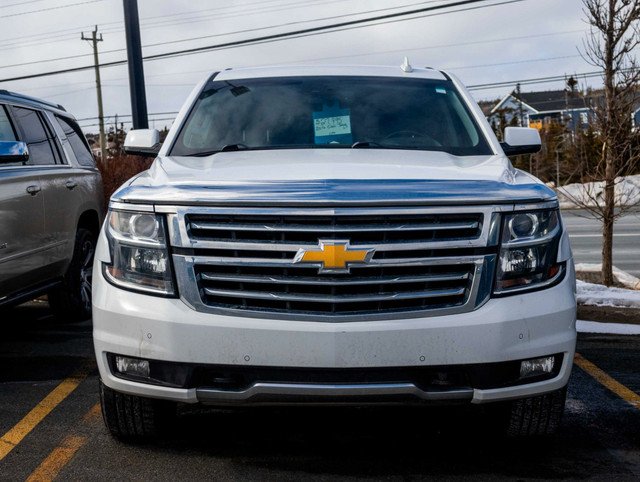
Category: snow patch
<point>622,277</point>
<point>599,295</point>
<point>607,328</point>
<point>627,192</point>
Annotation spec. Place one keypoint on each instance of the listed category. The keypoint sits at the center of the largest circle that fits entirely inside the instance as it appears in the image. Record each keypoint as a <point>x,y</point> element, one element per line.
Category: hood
<point>332,176</point>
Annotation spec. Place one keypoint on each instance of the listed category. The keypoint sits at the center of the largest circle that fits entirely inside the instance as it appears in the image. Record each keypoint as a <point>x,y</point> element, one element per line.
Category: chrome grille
<point>426,262</point>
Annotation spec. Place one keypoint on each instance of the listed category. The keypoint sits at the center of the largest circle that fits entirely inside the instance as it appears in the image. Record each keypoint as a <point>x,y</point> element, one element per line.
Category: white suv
<point>333,235</point>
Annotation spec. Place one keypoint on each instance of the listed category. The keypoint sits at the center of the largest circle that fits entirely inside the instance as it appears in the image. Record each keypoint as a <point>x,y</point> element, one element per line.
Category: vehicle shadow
<point>36,346</point>
<point>378,442</point>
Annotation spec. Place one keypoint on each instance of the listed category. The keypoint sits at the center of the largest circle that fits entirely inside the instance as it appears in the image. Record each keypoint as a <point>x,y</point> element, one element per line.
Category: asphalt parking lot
<point>50,426</point>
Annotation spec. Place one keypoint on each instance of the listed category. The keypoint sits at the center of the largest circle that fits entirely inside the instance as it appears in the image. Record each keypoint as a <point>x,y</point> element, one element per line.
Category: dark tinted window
<point>77,140</point>
<point>6,129</point>
<point>36,136</point>
<point>330,111</point>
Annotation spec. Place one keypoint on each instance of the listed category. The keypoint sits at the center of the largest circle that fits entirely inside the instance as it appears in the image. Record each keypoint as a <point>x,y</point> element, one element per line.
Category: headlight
<point>528,252</point>
<point>140,258</point>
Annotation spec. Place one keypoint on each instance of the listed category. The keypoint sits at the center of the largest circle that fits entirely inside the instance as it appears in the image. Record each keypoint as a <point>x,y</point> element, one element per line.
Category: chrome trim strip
<point>299,392</point>
<point>319,281</point>
<point>337,192</point>
<point>295,247</point>
<point>333,229</point>
<point>32,251</point>
<point>335,211</point>
<point>332,211</point>
<point>317,298</point>
<point>537,206</point>
<point>374,263</point>
<point>119,206</point>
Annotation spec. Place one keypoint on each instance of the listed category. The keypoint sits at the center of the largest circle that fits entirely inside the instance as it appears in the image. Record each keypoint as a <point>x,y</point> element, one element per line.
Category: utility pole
<point>116,137</point>
<point>94,39</point>
<point>136,72</point>
<point>519,92</point>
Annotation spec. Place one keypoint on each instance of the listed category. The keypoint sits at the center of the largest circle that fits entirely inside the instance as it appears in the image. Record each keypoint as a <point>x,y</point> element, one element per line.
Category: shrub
<point>118,169</point>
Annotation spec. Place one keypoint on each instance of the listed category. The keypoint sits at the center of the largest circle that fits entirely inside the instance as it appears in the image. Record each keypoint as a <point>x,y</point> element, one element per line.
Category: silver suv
<point>51,206</point>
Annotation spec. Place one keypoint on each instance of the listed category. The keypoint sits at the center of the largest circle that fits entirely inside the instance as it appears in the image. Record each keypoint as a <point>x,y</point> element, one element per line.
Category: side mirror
<point>13,151</point>
<point>521,140</point>
<point>142,142</point>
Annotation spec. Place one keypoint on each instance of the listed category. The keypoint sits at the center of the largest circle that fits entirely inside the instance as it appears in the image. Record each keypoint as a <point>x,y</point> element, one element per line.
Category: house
<point>539,109</point>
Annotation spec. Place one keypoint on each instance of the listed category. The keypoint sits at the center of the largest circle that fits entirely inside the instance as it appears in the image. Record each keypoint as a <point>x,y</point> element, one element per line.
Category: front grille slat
<point>314,298</point>
<point>280,263</point>
<point>247,261</point>
<point>294,280</point>
<point>337,229</point>
<point>295,247</point>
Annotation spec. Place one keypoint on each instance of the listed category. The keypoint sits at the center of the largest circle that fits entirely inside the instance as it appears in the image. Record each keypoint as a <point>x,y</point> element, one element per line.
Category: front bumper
<point>512,328</point>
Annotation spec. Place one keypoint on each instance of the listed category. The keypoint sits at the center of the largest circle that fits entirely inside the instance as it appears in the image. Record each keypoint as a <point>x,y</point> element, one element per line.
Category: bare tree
<point>614,33</point>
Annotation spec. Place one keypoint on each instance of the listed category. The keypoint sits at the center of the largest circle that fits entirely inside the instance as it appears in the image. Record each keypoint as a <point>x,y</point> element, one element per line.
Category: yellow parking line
<point>611,383</point>
<point>14,436</point>
<point>63,453</point>
<point>53,464</point>
<point>93,414</point>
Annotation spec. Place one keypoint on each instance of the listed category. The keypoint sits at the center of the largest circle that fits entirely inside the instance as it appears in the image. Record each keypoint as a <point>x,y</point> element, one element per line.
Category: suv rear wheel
<point>72,300</point>
<point>133,418</point>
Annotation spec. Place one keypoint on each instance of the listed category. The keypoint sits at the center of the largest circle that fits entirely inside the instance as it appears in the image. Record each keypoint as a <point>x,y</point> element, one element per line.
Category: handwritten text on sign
<point>332,126</point>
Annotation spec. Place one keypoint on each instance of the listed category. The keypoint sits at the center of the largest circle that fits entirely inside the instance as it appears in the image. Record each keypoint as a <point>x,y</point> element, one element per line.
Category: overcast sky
<point>518,40</point>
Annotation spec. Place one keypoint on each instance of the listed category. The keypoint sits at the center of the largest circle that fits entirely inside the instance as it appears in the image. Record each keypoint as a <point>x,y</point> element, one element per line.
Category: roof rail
<point>32,99</point>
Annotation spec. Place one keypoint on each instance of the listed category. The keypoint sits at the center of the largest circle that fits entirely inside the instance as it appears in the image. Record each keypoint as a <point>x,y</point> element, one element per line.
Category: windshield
<point>330,112</point>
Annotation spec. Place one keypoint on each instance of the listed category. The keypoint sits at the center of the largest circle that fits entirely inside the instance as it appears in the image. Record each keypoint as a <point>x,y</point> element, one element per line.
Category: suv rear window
<point>37,137</point>
<point>77,140</point>
<point>331,111</point>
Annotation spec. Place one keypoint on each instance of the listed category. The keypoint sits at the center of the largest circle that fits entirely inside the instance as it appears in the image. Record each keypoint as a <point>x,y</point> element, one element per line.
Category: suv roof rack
<point>32,99</point>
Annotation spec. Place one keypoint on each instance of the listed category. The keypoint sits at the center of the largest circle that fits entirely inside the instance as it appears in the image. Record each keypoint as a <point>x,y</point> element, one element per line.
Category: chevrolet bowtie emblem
<point>334,255</point>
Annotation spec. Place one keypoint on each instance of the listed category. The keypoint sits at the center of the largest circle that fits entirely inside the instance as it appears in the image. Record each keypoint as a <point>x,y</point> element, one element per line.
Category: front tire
<point>536,416</point>
<point>72,300</point>
<point>133,419</point>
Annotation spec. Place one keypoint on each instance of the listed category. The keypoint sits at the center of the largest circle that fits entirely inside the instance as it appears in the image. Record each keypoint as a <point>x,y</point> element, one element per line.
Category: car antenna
<point>406,66</point>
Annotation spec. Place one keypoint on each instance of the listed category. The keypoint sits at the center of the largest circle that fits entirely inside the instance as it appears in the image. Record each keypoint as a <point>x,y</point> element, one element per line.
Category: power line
<point>50,8</point>
<point>21,3</point>
<point>22,41</point>
<point>537,80</point>
<point>298,22</point>
<point>220,34</point>
<point>514,62</point>
<point>339,27</point>
<point>130,121</point>
<point>440,46</point>
<point>382,19</point>
<point>127,115</point>
<point>106,84</point>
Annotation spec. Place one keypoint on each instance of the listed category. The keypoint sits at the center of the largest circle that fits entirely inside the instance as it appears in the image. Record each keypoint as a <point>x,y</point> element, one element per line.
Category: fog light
<point>537,366</point>
<point>132,366</point>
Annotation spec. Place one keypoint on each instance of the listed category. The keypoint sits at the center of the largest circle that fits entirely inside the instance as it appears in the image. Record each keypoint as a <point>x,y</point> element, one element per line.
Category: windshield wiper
<point>360,144</point>
<point>225,148</point>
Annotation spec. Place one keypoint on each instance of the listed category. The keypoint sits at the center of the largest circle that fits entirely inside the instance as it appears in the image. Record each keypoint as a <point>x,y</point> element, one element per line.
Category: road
<point>586,239</point>
<point>50,425</point>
